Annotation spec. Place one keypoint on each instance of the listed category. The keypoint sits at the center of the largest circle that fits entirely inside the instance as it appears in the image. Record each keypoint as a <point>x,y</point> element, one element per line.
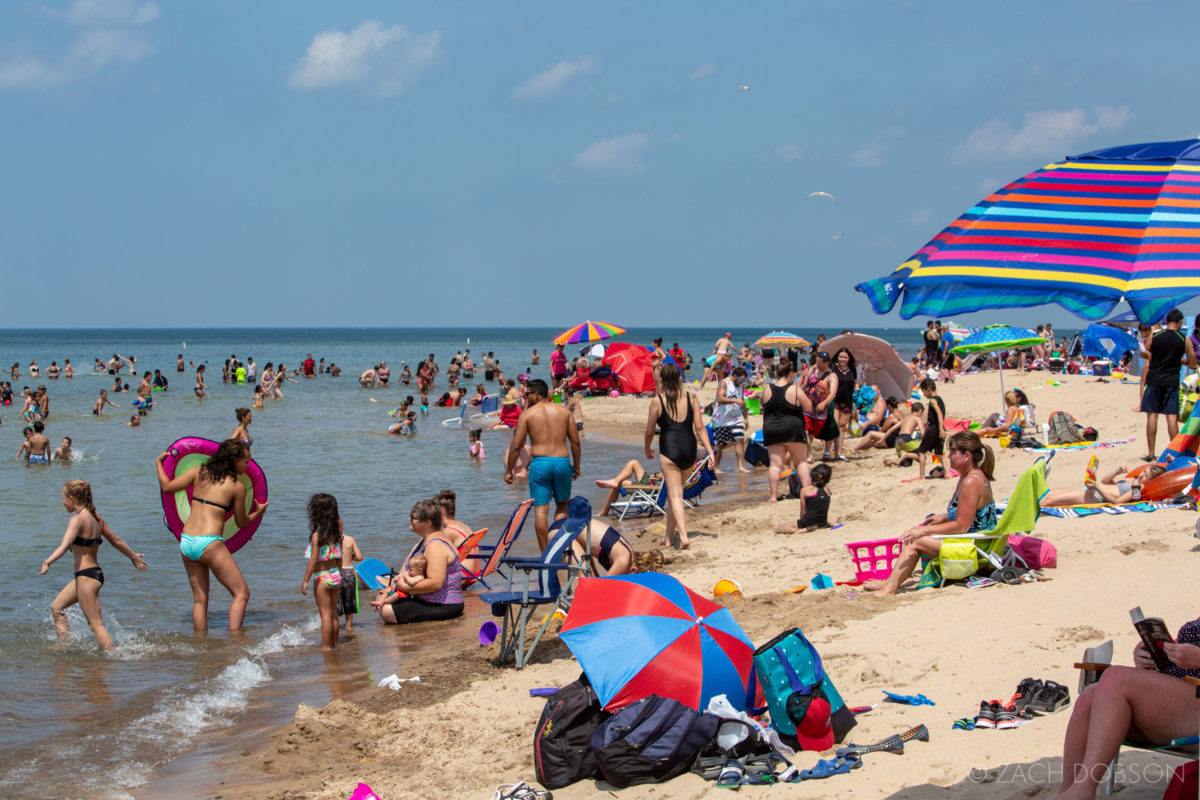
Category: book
<point>1089,475</point>
<point>1154,634</point>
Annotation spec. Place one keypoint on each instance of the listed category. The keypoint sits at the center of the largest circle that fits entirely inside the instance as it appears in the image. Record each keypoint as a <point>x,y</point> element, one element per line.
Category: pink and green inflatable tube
<point>192,451</point>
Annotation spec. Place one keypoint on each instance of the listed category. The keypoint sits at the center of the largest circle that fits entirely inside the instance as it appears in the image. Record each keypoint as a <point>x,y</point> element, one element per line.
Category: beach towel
<point>956,425</point>
<point>1071,512</point>
<point>1080,445</point>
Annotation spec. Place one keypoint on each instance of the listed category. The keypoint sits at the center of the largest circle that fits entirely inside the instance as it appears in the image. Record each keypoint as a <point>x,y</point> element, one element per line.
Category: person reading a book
<point>1137,703</point>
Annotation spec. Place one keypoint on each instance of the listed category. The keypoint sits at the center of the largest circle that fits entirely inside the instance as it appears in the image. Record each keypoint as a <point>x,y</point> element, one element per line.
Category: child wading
<point>325,547</point>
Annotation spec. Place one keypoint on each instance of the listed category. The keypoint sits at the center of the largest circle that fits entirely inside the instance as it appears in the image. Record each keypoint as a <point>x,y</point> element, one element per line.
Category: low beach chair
<point>467,550</point>
<point>495,553</point>
<point>534,582</point>
<point>956,560</point>
<point>486,413</point>
<point>651,499</point>
<point>1095,661</point>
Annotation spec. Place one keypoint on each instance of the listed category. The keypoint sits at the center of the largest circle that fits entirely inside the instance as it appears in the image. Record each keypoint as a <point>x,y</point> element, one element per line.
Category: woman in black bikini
<point>783,408</point>
<point>677,413</point>
<point>83,538</point>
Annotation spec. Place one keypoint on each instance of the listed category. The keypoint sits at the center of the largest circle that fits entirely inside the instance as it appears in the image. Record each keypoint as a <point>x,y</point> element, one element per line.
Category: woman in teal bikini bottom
<point>216,491</point>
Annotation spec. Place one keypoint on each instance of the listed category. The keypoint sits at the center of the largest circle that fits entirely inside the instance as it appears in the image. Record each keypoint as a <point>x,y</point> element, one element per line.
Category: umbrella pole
<point>1000,365</point>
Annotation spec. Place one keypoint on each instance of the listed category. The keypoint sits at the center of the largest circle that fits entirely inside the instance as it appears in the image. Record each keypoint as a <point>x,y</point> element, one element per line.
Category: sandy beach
<point>468,725</point>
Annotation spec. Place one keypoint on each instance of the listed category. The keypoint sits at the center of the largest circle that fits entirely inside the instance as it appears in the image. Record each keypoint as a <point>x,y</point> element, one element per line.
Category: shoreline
<point>956,645</point>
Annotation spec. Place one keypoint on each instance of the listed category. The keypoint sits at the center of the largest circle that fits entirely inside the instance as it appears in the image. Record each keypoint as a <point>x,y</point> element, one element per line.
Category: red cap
<point>815,731</point>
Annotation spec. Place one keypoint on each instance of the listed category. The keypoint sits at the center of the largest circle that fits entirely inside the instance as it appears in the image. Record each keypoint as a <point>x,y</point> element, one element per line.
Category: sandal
<point>521,791</point>
<point>760,770</point>
<point>732,775</point>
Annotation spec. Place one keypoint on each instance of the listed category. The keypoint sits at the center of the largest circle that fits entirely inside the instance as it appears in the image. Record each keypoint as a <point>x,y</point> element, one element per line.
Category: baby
<point>415,572</point>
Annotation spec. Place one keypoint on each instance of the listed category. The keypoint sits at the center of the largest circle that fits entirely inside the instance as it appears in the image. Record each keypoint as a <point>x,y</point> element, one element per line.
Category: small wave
<point>133,751</point>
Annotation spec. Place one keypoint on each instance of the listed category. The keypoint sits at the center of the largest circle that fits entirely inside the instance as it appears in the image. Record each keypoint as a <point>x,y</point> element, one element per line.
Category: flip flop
<point>521,791</point>
<point>828,767</point>
<point>910,699</point>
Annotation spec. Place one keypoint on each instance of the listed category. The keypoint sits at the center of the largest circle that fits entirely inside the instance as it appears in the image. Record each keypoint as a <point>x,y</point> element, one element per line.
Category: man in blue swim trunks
<point>552,435</point>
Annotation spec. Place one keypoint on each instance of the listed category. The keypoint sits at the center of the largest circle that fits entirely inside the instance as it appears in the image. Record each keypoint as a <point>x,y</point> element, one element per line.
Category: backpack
<point>790,671</point>
<point>651,740</point>
<point>1063,429</point>
<point>562,743</point>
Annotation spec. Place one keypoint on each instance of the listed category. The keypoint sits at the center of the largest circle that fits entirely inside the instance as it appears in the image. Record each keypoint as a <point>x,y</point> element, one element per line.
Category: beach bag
<point>957,559</point>
<point>651,740</point>
<point>790,672</point>
<point>1037,553</point>
<point>562,742</point>
<point>1063,429</point>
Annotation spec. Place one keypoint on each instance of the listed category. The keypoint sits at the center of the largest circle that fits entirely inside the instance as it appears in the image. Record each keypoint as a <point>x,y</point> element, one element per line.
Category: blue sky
<point>375,163</point>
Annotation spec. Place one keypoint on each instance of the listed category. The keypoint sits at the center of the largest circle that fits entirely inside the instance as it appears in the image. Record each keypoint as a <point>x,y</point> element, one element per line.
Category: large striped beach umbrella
<point>589,332</point>
<point>637,635</point>
<point>1084,233</point>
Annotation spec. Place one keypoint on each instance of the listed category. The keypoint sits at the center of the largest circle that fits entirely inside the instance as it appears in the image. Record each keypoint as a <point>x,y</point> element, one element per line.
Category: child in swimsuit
<point>64,451</point>
<point>815,504</point>
<point>83,537</point>
<point>475,448</point>
<point>325,548</point>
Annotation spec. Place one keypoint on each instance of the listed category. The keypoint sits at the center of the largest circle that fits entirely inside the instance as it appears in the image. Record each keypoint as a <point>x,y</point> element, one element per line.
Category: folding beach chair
<point>495,553</point>
<point>534,582</point>
<point>486,413</point>
<point>1095,661</point>
<point>700,478</point>
<point>646,498</point>
<point>467,550</point>
<point>963,554</point>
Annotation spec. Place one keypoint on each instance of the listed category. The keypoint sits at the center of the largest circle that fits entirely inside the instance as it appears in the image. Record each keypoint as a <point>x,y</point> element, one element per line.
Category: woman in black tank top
<point>783,427</point>
<point>677,414</point>
<point>843,401</point>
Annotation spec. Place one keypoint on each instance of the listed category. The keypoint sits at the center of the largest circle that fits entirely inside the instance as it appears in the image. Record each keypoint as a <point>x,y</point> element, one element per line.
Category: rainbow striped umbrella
<point>1083,233</point>
<point>589,332</point>
<point>781,339</point>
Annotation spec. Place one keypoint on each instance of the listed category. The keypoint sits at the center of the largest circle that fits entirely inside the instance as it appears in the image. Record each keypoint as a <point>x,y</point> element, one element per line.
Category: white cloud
<point>382,61</point>
<point>787,153</point>
<point>702,71</point>
<point>546,84</point>
<point>89,13</point>
<point>110,34</point>
<point>619,156</point>
<point>1043,133</point>
<point>876,152</point>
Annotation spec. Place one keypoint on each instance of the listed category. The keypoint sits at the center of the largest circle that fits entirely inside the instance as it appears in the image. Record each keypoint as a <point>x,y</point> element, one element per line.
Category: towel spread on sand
<point>1071,512</point>
<point>1080,445</point>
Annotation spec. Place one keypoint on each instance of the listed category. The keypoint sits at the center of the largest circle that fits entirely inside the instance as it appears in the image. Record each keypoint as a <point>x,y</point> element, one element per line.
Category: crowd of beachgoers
<point>803,413</point>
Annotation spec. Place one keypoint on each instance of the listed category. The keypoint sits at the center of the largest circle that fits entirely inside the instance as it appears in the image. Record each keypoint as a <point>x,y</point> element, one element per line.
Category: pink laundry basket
<point>873,561</point>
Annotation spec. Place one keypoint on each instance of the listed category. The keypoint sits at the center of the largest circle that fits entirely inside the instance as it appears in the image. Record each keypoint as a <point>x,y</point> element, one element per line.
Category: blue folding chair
<point>538,581</point>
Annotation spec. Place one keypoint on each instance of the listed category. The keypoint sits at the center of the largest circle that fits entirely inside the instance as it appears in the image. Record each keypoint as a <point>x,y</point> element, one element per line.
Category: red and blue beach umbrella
<point>637,635</point>
<point>1083,233</point>
<point>589,332</point>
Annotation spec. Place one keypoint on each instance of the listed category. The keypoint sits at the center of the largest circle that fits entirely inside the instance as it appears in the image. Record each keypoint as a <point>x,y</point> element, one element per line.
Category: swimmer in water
<point>200,386</point>
<point>83,538</point>
<point>36,447</point>
<point>64,451</point>
<point>103,401</point>
<point>134,421</point>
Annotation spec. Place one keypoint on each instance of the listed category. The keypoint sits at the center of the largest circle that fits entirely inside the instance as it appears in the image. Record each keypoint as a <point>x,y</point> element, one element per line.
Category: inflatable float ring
<point>192,451</point>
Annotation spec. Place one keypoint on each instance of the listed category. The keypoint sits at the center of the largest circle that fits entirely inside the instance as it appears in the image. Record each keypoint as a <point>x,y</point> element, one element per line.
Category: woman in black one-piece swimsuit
<point>783,427</point>
<point>680,431</point>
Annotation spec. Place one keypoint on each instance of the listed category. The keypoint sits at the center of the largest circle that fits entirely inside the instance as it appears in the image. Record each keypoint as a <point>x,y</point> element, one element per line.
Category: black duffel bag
<point>651,740</point>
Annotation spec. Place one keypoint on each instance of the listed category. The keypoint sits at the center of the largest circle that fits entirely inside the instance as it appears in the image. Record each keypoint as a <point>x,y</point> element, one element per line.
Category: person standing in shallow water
<point>85,532</point>
<point>216,490</point>
<point>552,435</point>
